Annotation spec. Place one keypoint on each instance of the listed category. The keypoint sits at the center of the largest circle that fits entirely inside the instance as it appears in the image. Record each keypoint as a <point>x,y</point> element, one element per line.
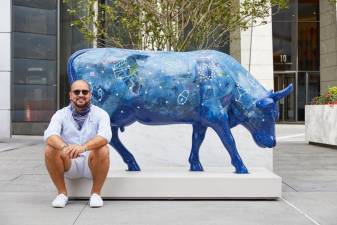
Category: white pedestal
<point>180,183</point>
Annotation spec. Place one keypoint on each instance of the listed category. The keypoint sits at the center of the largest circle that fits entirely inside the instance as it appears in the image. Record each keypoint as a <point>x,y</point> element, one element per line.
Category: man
<point>77,144</point>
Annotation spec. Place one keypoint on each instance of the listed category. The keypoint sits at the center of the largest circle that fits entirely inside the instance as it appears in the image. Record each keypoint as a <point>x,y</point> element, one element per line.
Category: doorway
<point>287,105</point>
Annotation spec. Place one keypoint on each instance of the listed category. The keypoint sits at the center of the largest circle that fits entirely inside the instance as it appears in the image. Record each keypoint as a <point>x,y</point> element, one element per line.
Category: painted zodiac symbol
<point>183,97</point>
<point>100,94</point>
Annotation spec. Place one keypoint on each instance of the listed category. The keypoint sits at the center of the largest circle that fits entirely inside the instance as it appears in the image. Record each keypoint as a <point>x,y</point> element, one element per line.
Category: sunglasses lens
<point>77,92</point>
<point>85,92</point>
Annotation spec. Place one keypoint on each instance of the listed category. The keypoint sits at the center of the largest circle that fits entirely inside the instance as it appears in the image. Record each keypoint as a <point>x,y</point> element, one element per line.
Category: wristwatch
<point>85,148</point>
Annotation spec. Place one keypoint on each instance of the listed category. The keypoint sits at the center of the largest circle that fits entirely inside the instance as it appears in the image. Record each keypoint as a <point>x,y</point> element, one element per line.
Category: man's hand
<point>73,151</point>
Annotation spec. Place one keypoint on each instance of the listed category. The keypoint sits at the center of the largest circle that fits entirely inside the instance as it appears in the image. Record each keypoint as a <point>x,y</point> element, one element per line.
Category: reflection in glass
<point>284,46</point>
<point>301,95</point>
<point>313,86</point>
<point>41,4</point>
<point>287,106</point>
<point>308,10</point>
<point>308,46</point>
<point>34,93</point>
<point>36,46</point>
<point>33,103</point>
<point>32,71</point>
<point>288,14</point>
<point>34,20</point>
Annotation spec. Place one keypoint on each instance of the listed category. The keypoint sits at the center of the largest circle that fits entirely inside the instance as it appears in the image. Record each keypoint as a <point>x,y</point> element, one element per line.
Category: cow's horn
<point>264,103</point>
<point>283,93</point>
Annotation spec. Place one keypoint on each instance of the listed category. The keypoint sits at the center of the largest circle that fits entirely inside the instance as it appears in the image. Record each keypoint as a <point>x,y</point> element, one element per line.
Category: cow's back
<point>164,86</point>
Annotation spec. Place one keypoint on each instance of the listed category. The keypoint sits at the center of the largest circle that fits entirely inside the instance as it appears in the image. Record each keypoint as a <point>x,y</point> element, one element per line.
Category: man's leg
<point>99,163</point>
<point>57,163</point>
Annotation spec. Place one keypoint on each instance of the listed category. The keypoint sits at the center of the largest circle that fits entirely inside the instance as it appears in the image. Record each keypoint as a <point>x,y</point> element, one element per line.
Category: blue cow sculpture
<point>203,88</point>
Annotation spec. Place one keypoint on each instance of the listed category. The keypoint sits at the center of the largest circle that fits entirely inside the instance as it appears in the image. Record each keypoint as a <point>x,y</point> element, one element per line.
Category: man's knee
<point>100,153</point>
<point>50,152</point>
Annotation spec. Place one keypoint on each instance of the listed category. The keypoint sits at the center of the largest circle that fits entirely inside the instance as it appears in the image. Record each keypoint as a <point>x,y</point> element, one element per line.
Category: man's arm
<point>73,151</point>
<point>52,134</point>
<point>56,142</point>
<point>95,143</point>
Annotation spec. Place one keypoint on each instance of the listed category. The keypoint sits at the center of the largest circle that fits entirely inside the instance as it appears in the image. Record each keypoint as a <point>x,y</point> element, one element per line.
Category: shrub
<point>330,97</point>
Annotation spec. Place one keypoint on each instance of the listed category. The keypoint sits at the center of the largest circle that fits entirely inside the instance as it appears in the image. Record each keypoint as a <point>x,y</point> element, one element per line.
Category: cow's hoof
<point>241,170</point>
<point>133,167</point>
<point>196,167</point>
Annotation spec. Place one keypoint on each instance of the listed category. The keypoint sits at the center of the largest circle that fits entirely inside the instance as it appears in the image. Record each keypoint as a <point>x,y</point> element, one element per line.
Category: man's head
<point>80,94</point>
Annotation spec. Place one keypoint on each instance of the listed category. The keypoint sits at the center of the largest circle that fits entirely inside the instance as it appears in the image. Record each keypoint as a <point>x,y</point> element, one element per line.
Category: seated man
<point>77,144</point>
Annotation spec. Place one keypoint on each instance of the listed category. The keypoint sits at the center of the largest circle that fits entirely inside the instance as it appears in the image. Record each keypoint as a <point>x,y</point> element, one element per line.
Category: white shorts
<point>79,167</point>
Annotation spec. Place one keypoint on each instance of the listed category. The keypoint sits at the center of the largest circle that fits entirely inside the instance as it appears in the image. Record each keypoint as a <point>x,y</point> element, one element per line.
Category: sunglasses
<point>84,92</point>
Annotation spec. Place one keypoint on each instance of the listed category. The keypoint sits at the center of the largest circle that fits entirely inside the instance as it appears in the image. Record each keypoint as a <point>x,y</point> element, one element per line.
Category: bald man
<point>77,144</point>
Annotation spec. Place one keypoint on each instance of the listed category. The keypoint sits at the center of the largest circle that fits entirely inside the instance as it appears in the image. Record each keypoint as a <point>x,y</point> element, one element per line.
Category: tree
<point>167,24</point>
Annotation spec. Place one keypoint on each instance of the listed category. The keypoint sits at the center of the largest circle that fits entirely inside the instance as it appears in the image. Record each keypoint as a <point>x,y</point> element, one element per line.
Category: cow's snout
<point>265,141</point>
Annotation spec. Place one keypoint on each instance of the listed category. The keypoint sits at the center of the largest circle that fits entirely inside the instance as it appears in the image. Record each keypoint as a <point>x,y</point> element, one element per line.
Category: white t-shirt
<point>63,124</point>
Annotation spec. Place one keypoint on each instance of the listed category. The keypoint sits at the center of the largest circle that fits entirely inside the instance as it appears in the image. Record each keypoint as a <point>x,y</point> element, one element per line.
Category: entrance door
<point>287,105</point>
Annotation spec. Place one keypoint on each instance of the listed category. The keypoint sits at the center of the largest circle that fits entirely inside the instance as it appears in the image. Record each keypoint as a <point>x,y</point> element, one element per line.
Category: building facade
<point>5,67</point>
<point>296,55</point>
<point>297,45</point>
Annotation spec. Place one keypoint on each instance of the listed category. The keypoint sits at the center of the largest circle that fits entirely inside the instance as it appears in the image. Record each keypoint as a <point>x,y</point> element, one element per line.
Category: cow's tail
<point>70,68</point>
<point>122,129</point>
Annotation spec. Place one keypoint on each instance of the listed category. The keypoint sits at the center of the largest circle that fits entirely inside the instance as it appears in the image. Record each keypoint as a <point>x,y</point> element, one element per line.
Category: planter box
<point>321,124</point>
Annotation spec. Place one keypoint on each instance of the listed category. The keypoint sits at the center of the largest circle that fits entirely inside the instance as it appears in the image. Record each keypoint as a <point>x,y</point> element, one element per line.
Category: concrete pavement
<point>309,176</point>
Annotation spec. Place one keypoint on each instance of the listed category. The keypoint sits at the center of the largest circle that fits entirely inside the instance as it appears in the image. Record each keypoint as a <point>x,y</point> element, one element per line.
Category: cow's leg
<point>198,136</point>
<point>219,122</point>
<point>123,152</point>
<point>223,130</point>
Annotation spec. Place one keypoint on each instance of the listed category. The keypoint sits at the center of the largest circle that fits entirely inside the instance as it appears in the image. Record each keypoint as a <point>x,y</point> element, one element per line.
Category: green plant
<point>177,25</point>
<point>330,97</point>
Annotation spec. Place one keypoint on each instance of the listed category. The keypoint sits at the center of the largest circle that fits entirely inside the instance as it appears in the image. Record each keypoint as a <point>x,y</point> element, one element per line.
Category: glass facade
<point>40,53</point>
<point>34,78</point>
<point>296,56</point>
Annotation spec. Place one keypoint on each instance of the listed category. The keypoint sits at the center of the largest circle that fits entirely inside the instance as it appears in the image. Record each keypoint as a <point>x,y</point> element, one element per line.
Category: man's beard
<point>81,106</point>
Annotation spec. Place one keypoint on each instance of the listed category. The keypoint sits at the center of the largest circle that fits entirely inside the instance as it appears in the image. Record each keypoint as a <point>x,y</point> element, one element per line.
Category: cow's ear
<point>282,93</point>
<point>265,103</point>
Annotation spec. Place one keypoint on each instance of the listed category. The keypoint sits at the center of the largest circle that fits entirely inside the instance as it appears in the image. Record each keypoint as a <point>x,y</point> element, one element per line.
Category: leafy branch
<point>178,25</point>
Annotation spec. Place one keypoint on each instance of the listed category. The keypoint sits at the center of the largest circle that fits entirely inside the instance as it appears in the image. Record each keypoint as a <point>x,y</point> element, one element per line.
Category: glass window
<point>33,103</point>
<point>301,96</point>
<point>41,4</point>
<point>308,10</point>
<point>308,46</point>
<point>288,14</point>
<point>34,20</point>
<point>34,91</point>
<point>313,86</point>
<point>287,105</point>
<point>284,46</point>
<point>27,45</point>
<point>32,71</point>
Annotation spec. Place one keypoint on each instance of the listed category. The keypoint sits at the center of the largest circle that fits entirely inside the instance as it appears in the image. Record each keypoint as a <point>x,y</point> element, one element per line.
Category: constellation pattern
<point>204,88</point>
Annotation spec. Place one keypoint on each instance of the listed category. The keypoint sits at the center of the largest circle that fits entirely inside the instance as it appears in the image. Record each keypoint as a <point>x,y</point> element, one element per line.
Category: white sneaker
<point>95,201</point>
<point>60,201</point>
